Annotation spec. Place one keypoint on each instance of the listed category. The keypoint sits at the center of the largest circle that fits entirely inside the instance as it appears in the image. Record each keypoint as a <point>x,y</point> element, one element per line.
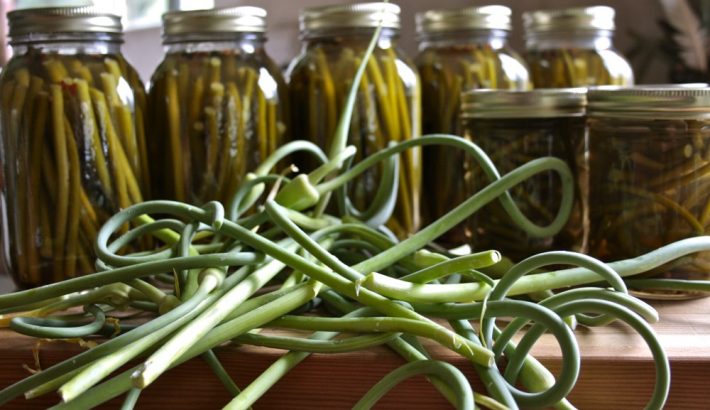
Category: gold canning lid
<point>541,103</point>
<point>584,18</point>
<point>492,17</point>
<point>650,102</point>
<point>89,19</point>
<point>245,19</point>
<point>359,15</point>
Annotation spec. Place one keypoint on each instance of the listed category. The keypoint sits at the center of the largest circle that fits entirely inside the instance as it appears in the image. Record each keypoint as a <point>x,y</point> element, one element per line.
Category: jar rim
<point>492,17</point>
<point>660,101</point>
<point>243,19</point>
<point>540,103</point>
<point>358,15</point>
<point>87,19</point>
<point>578,18</point>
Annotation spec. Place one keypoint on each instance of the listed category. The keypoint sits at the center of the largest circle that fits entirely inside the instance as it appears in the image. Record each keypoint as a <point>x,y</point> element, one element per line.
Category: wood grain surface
<point>617,371</point>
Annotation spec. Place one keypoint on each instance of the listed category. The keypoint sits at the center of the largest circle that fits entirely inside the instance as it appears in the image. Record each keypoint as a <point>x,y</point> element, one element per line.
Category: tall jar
<point>574,48</point>
<point>649,155</point>
<point>459,50</point>
<point>515,127</point>
<point>217,103</point>
<point>387,107</point>
<point>73,142</point>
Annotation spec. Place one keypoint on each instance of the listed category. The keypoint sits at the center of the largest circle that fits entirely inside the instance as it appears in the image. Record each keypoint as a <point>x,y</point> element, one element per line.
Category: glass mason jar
<point>459,50</point>
<point>73,141</point>
<point>515,127</point>
<point>387,107</point>
<point>573,48</point>
<point>217,104</point>
<point>649,155</point>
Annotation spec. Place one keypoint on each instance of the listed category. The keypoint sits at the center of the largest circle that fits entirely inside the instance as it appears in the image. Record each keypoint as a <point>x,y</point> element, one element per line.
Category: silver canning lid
<point>541,103</point>
<point>492,17</point>
<point>359,15</point>
<point>660,102</point>
<point>245,19</point>
<point>584,18</point>
<point>652,86</point>
<point>89,19</point>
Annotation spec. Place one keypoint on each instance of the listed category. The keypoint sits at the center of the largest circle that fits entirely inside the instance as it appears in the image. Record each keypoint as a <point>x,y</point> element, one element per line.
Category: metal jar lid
<point>584,18</point>
<point>245,19</point>
<point>359,15</point>
<point>492,17</point>
<point>541,103</point>
<point>89,19</point>
<point>650,102</point>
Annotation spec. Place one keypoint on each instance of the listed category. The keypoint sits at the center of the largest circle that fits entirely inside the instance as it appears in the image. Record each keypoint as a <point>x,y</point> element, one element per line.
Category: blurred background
<point>649,32</point>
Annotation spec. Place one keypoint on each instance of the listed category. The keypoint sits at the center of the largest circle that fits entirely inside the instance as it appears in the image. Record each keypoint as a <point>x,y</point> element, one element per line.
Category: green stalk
<point>629,267</point>
<point>131,399</point>
<point>386,324</point>
<point>351,289</point>
<point>226,331</point>
<point>455,265</point>
<point>340,138</point>
<point>178,343</point>
<point>442,370</point>
<point>104,366</point>
<point>110,346</point>
<point>298,344</point>
<point>216,260</point>
<point>495,383</point>
<point>424,293</point>
<point>213,362</point>
<point>399,345</point>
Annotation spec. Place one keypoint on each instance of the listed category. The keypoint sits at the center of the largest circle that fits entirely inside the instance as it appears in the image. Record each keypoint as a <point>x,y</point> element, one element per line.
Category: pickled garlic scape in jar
<point>387,107</point>
<point>73,139</point>
<point>574,48</point>
<point>649,161</point>
<point>459,50</point>
<point>517,127</point>
<point>217,104</point>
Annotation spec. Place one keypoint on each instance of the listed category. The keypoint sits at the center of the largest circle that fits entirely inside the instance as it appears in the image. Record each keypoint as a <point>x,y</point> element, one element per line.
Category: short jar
<point>649,153</point>
<point>513,128</point>
<point>459,50</point>
<point>218,104</point>
<point>574,48</point>
<point>73,141</point>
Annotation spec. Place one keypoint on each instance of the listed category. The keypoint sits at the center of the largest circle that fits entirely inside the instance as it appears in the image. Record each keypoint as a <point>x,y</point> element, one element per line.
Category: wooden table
<point>617,372</point>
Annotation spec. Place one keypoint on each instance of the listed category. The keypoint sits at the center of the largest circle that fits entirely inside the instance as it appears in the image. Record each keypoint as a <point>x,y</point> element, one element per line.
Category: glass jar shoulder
<point>108,74</point>
<point>341,56</point>
<point>478,65</point>
<point>578,66</point>
<point>223,68</point>
<point>619,68</point>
